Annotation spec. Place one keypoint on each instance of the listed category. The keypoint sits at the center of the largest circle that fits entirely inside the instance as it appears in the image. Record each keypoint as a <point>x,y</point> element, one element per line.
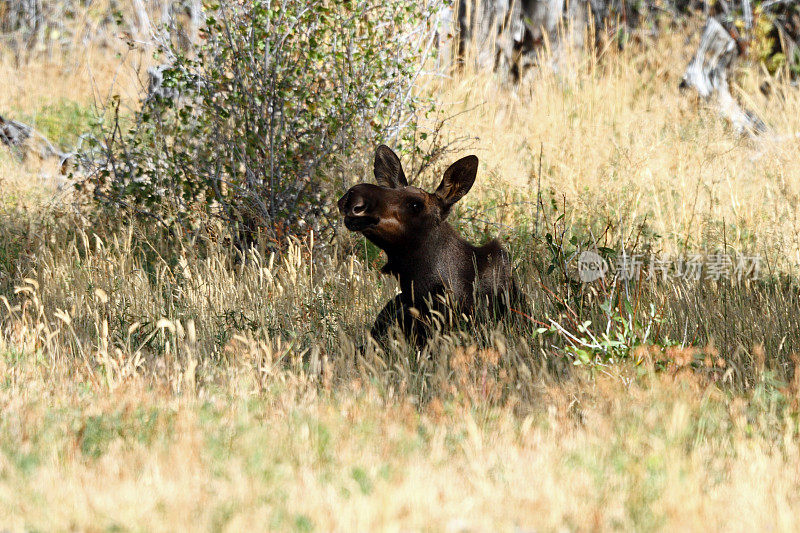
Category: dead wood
<point>20,138</point>
<point>708,74</point>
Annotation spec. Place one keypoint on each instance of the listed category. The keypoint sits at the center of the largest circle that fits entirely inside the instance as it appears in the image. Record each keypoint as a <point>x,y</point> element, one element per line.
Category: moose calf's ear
<point>388,170</point>
<point>457,181</point>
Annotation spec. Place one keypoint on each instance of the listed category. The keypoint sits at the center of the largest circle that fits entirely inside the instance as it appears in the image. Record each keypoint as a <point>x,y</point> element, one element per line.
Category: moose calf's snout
<point>342,203</point>
<point>353,204</point>
<point>358,206</point>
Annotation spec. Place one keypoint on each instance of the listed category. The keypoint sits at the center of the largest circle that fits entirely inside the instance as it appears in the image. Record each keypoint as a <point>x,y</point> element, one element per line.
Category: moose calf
<point>438,270</point>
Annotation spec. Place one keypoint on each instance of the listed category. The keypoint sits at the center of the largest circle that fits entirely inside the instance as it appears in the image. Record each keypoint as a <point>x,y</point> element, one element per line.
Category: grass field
<point>154,384</point>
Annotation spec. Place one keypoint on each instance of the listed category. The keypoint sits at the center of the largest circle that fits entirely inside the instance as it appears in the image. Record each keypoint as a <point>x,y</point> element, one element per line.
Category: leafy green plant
<point>245,128</point>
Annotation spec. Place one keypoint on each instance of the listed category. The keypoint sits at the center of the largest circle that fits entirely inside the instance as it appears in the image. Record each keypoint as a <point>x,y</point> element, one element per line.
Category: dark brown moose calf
<point>438,270</point>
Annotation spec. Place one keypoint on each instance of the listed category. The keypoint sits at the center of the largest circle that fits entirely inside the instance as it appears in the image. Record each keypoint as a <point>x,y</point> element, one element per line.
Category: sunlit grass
<point>664,451</point>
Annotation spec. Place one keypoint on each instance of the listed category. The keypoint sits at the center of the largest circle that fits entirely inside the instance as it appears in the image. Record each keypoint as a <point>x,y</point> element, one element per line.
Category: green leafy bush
<point>244,127</point>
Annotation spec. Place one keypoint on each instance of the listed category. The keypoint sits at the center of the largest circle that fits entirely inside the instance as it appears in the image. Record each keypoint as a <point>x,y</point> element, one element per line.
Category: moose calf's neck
<point>433,263</point>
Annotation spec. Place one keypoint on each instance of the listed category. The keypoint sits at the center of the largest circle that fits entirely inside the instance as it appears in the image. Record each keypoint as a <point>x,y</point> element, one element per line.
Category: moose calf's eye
<point>415,206</point>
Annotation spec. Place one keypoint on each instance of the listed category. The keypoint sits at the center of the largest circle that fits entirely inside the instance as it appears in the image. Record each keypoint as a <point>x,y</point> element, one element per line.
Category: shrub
<point>246,124</point>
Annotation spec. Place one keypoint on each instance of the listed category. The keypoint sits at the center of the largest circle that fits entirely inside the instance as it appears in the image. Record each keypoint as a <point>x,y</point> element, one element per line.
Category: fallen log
<point>13,133</point>
<point>19,138</point>
<point>708,72</point>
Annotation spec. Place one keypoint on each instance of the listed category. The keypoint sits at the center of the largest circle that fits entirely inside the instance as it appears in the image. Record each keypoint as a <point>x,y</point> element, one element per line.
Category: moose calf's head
<point>395,215</point>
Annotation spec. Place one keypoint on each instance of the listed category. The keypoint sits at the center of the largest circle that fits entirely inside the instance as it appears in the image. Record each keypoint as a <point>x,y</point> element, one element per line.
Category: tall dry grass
<point>620,142</point>
<point>659,452</point>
